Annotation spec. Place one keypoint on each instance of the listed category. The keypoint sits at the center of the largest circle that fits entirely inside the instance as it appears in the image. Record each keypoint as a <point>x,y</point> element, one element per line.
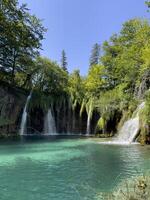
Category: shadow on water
<point>34,138</point>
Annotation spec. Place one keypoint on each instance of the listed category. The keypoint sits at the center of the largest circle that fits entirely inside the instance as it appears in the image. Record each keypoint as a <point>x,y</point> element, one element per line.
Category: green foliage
<point>123,54</point>
<point>95,81</point>
<point>145,113</point>
<point>76,88</point>
<point>101,124</point>
<point>147,3</point>
<point>44,101</point>
<point>49,77</point>
<point>20,38</point>
<point>145,59</point>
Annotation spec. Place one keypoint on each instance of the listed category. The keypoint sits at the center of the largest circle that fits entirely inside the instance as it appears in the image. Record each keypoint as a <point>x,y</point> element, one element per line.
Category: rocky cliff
<point>12,101</point>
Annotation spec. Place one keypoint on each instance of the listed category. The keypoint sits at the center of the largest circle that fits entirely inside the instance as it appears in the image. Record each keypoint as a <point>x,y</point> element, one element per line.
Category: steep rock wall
<point>12,101</point>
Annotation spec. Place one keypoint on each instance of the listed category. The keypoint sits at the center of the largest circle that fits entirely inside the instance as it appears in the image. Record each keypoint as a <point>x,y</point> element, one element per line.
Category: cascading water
<point>73,120</point>
<point>64,121</point>
<point>49,124</point>
<point>57,117</point>
<point>88,125</point>
<point>89,121</point>
<point>130,129</point>
<point>69,117</point>
<point>24,116</point>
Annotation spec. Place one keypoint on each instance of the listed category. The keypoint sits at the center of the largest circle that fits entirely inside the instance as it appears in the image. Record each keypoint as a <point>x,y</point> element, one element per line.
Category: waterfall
<point>57,117</point>
<point>68,118</point>
<point>88,127</point>
<point>128,131</point>
<point>130,128</point>
<point>73,121</point>
<point>24,116</point>
<point>49,124</point>
<point>64,122</point>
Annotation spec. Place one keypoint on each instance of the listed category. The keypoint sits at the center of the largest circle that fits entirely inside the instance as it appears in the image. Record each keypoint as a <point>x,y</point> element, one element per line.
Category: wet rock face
<point>70,121</point>
<point>35,121</point>
<point>66,120</point>
<point>12,102</point>
<point>11,105</point>
<point>144,85</point>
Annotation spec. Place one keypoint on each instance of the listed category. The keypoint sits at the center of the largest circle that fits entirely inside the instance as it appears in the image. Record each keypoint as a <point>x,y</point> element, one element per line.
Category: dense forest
<point>118,78</point>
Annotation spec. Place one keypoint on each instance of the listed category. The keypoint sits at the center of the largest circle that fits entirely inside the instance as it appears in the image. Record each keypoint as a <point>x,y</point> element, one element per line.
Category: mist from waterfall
<point>24,116</point>
<point>49,124</point>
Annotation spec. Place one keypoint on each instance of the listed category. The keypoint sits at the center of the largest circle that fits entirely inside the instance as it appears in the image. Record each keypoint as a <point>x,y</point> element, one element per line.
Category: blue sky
<point>75,25</point>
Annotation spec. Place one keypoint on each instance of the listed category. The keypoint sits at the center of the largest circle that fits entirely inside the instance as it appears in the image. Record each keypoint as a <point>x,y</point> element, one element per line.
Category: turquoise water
<point>66,169</point>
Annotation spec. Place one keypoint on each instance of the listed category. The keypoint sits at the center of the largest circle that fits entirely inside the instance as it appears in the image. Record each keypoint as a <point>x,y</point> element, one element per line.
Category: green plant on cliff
<point>145,119</point>
<point>76,88</point>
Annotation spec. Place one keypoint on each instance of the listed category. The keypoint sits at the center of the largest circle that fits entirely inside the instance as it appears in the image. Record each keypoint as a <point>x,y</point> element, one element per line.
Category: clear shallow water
<point>66,169</point>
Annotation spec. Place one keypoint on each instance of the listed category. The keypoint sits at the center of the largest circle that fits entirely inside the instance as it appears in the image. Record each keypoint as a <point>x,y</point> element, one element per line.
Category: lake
<point>66,168</point>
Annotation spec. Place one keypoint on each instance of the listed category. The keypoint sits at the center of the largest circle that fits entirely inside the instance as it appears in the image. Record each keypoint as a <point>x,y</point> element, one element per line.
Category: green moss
<point>145,120</point>
<point>5,121</point>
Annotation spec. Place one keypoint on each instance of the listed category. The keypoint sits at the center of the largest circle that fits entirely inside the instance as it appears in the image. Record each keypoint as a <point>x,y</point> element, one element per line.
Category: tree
<point>95,54</point>
<point>95,81</point>
<point>50,83</point>
<point>147,3</point>
<point>123,53</point>
<point>20,38</point>
<point>76,88</point>
<point>49,77</point>
<point>64,61</point>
